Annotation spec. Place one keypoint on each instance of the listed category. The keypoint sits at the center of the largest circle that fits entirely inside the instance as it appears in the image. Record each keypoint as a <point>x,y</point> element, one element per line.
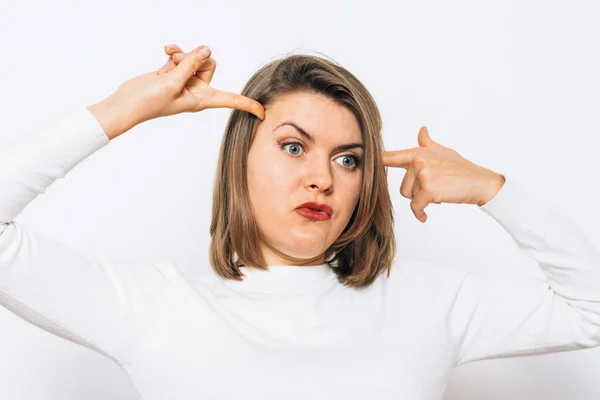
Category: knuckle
<point>190,67</point>
<point>419,160</point>
<point>423,174</point>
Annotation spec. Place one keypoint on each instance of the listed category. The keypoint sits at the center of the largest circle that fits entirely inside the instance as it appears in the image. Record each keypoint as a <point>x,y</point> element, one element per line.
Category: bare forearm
<point>114,117</point>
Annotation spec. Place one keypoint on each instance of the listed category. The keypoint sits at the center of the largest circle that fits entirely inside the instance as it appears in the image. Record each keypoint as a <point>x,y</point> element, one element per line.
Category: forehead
<point>317,114</point>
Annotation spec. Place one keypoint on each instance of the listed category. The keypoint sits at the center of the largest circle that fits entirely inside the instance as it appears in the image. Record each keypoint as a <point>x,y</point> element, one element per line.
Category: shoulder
<point>423,269</point>
<point>421,278</point>
<point>158,282</point>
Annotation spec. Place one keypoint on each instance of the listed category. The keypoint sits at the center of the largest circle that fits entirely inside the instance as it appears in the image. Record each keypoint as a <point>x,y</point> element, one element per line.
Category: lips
<point>316,207</point>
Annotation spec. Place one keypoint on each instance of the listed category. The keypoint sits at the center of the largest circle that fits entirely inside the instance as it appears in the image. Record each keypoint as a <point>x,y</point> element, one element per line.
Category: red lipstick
<point>316,211</point>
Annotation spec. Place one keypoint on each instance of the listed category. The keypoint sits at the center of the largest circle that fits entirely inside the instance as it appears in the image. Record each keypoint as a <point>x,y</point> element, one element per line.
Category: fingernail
<point>204,52</point>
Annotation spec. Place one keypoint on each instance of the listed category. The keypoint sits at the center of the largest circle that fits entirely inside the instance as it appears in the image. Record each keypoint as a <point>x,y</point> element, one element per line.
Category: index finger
<point>232,100</point>
<point>172,49</point>
<point>398,158</point>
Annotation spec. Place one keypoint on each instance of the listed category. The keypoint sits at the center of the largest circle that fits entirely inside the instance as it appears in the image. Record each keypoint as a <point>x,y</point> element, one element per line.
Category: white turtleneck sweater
<point>291,332</point>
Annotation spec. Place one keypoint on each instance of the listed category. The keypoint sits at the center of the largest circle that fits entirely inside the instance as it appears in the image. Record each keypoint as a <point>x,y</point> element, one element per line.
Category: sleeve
<point>103,304</point>
<point>494,316</point>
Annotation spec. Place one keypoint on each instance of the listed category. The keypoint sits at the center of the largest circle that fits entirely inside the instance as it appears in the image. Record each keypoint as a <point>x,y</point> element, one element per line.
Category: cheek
<point>348,201</point>
<point>269,184</point>
<point>353,186</point>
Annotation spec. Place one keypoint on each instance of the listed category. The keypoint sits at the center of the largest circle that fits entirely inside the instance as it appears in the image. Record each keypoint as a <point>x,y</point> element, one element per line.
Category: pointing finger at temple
<point>231,100</point>
<point>398,158</point>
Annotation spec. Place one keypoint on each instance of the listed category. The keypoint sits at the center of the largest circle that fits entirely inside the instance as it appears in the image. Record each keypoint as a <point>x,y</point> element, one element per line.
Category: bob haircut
<point>367,246</point>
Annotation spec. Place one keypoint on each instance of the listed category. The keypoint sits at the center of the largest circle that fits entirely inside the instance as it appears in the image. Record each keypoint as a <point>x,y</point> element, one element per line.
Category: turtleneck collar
<point>284,279</point>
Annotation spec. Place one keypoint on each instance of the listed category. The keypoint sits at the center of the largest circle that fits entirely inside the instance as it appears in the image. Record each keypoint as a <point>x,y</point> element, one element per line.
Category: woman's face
<point>287,169</point>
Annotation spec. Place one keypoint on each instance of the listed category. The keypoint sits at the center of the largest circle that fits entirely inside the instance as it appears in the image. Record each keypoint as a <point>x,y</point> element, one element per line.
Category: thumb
<point>189,65</point>
<point>424,139</point>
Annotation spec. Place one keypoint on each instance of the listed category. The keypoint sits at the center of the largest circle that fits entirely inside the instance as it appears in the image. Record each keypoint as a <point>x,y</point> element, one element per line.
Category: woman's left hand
<point>438,174</point>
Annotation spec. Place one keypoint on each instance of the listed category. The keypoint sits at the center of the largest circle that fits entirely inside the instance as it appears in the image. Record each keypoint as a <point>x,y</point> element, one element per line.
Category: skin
<point>176,87</point>
<point>438,174</point>
<point>278,182</point>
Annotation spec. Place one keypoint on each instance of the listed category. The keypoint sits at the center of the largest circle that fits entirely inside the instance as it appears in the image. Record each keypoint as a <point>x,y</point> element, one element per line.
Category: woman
<point>299,305</point>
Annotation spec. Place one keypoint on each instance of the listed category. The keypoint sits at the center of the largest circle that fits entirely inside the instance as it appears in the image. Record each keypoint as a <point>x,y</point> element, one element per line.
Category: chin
<point>308,240</point>
<point>304,250</point>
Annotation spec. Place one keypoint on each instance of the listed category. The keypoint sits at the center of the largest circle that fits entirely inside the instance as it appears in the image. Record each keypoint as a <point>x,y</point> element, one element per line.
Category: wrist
<point>114,117</point>
<point>492,186</point>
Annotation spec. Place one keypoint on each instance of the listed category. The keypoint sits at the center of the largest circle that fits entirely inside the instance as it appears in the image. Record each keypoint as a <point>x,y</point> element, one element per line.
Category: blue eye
<point>295,148</point>
<point>295,145</point>
<point>352,158</point>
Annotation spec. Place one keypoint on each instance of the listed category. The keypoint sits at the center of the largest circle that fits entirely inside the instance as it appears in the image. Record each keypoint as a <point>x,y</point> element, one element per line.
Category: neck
<point>275,257</point>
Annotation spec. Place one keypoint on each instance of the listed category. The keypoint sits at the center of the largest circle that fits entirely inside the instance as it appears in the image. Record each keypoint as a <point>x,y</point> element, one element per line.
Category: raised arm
<point>496,316</point>
<point>102,304</point>
<point>99,302</point>
<point>493,316</point>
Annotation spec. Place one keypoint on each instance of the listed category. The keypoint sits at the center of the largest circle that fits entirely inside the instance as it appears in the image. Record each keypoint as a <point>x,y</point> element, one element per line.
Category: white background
<point>512,86</point>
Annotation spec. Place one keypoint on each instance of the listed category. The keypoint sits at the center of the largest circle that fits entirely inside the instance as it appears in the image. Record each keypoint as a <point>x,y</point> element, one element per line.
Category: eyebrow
<point>337,148</point>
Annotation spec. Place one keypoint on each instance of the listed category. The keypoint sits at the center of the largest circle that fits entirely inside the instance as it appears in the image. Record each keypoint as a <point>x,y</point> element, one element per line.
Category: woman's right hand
<point>172,89</point>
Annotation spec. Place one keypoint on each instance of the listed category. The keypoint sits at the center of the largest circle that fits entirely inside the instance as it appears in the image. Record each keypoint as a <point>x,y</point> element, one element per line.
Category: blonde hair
<point>367,246</point>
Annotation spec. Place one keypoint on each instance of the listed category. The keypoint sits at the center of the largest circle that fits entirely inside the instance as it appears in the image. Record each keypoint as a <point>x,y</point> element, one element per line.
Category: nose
<point>318,176</point>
